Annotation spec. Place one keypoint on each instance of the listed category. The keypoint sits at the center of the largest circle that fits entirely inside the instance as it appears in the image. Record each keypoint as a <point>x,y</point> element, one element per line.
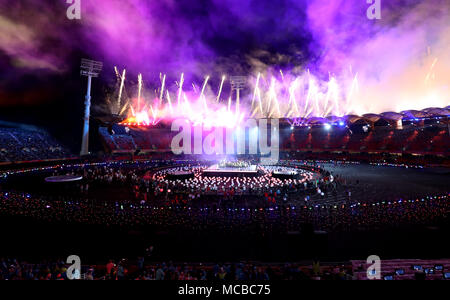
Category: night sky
<point>40,48</point>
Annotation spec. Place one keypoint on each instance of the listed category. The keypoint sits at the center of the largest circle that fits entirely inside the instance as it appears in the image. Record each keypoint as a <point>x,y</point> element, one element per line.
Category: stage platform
<point>63,178</point>
<point>216,170</point>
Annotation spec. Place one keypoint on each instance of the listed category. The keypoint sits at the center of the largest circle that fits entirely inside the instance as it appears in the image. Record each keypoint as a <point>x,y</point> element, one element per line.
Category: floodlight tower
<point>90,69</point>
<point>237,84</point>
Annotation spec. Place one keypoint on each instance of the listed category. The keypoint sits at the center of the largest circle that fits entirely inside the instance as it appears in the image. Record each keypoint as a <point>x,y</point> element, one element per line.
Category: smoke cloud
<point>401,61</point>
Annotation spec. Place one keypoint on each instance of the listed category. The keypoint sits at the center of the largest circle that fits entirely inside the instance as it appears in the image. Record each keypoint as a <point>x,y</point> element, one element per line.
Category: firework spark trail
<point>316,100</point>
<point>162,89</point>
<point>292,100</point>
<point>202,96</point>
<point>220,89</point>
<point>153,113</point>
<point>331,90</point>
<point>260,101</point>
<point>332,93</point>
<point>122,83</point>
<point>277,103</point>
<point>335,94</point>
<point>271,91</point>
<point>273,99</point>
<point>180,89</point>
<point>353,89</point>
<point>170,102</point>
<point>124,108</point>
<point>186,100</point>
<point>237,102</point>
<point>308,97</point>
<point>139,92</point>
<point>427,78</point>
<point>327,96</point>
<point>256,89</point>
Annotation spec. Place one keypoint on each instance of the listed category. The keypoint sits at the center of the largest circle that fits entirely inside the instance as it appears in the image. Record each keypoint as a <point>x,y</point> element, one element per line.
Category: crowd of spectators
<point>277,219</point>
<point>143,268</point>
<point>13,269</point>
<point>359,211</point>
<point>18,144</point>
<point>228,271</point>
<point>411,139</point>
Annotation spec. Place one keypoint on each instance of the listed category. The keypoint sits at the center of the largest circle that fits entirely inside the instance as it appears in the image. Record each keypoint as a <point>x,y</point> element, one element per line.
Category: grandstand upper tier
<point>26,143</point>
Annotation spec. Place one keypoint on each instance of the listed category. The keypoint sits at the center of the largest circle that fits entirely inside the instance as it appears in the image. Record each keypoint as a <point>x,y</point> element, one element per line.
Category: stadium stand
<point>139,269</point>
<point>19,144</point>
<point>405,269</point>
<point>425,140</point>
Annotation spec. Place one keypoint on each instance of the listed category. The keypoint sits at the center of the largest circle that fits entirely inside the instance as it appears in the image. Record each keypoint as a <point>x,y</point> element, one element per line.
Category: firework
<point>220,88</point>
<point>161,94</point>
<point>180,89</point>
<point>122,82</point>
<point>283,96</point>
<point>139,92</point>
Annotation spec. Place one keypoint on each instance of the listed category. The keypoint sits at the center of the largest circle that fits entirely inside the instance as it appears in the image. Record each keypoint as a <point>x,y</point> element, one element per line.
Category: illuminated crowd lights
<point>270,209</point>
<point>397,165</point>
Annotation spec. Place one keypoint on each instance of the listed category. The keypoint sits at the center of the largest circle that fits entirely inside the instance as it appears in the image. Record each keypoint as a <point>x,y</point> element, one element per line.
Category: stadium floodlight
<point>237,84</point>
<point>90,69</point>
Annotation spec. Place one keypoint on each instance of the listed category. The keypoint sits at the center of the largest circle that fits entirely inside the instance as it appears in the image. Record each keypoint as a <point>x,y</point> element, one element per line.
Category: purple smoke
<point>239,37</point>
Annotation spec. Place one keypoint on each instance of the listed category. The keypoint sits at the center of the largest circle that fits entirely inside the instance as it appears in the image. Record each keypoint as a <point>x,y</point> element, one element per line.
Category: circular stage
<point>231,171</point>
<point>220,180</point>
<point>63,178</point>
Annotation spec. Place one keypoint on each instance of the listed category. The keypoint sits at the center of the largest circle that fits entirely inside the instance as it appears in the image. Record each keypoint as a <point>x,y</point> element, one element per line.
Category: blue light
<point>327,126</point>
<point>341,123</point>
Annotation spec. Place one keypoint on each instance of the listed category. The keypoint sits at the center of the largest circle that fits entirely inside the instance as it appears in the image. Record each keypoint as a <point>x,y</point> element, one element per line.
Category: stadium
<point>279,171</point>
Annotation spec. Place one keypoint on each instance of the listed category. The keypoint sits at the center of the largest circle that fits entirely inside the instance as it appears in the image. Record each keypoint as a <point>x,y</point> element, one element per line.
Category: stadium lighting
<point>90,69</point>
<point>237,84</point>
